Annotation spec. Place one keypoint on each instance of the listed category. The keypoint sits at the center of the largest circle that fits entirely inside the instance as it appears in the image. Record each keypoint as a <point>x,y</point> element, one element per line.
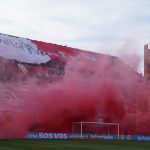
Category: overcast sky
<point>105,26</point>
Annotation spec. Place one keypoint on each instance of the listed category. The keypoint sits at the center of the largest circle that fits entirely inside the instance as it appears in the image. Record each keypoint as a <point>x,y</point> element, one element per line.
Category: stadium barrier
<point>46,135</point>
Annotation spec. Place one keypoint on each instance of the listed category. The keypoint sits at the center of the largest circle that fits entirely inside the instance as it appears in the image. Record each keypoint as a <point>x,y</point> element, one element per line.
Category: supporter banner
<point>46,135</point>
<point>21,49</point>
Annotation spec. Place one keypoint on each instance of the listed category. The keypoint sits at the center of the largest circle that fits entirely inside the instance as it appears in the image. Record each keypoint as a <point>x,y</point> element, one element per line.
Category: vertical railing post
<point>81,129</point>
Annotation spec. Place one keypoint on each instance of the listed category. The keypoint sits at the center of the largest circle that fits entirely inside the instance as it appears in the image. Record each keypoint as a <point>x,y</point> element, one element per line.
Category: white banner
<point>21,49</point>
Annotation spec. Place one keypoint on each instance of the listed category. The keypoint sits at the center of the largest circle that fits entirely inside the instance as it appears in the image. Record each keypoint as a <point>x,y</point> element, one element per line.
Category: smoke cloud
<point>86,91</point>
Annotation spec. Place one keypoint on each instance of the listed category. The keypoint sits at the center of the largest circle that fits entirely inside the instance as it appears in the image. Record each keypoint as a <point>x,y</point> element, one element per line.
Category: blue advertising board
<point>46,135</point>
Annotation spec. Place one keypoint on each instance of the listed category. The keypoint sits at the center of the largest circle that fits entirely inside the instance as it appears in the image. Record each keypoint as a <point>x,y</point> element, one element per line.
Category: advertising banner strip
<point>46,135</point>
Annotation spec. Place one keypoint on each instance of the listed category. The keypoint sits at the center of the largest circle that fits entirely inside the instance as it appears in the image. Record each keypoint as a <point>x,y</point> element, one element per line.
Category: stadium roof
<point>37,52</point>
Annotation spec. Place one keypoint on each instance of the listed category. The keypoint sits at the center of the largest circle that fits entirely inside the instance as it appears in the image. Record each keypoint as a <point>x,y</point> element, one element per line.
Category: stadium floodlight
<point>96,124</point>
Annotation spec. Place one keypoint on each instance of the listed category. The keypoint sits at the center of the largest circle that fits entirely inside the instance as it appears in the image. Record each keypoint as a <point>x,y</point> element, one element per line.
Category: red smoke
<point>88,90</point>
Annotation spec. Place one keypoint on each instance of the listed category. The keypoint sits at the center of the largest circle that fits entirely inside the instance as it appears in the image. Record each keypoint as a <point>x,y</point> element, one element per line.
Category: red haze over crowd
<point>87,90</point>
